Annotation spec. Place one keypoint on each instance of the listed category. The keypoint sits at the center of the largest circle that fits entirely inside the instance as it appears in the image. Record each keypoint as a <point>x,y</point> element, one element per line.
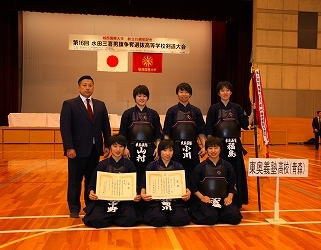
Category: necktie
<point>89,109</point>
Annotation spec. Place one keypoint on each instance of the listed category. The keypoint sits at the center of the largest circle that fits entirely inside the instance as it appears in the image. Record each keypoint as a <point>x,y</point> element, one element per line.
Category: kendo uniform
<point>215,182</point>
<point>102,213</point>
<point>141,129</point>
<point>226,122</point>
<point>183,124</point>
<point>169,212</point>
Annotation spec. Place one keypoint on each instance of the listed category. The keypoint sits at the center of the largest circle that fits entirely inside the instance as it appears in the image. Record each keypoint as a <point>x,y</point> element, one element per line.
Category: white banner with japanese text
<point>128,43</point>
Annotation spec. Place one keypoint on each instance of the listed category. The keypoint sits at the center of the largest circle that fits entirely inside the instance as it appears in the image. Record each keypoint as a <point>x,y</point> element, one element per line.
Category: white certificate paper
<point>165,184</point>
<point>116,186</point>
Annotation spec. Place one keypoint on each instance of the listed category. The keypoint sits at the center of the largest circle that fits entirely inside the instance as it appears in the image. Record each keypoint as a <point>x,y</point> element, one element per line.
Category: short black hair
<point>184,86</point>
<point>141,89</point>
<point>223,84</point>
<point>84,77</point>
<point>213,142</point>
<point>119,139</point>
<point>164,144</point>
<point>319,111</point>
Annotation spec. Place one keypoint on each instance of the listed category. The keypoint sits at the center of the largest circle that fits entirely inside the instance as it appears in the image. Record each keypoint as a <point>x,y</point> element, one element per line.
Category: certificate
<point>165,184</point>
<point>116,186</point>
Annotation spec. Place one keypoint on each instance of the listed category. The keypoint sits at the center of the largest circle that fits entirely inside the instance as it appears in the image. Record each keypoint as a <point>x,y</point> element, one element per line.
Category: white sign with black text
<point>276,167</point>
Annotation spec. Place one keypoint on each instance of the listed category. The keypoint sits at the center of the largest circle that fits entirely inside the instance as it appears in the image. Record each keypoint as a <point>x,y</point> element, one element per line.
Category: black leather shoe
<point>74,215</point>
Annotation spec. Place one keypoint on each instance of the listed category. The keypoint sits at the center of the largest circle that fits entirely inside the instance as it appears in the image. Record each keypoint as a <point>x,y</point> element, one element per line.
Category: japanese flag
<point>112,61</point>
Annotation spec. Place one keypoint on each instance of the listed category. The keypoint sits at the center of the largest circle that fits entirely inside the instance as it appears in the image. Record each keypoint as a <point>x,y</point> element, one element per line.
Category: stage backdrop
<point>51,71</point>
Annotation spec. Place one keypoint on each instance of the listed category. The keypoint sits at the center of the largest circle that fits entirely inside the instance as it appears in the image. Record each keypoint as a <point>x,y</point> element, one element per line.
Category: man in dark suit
<point>316,125</point>
<point>85,129</point>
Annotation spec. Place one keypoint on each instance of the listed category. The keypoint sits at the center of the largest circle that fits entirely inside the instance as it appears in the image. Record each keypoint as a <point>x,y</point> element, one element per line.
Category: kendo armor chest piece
<point>227,125</point>
<point>214,184</point>
<point>141,128</point>
<point>185,128</point>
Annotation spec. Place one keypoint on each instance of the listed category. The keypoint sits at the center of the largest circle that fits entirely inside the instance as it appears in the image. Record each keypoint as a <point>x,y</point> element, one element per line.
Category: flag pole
<point>255,137</point>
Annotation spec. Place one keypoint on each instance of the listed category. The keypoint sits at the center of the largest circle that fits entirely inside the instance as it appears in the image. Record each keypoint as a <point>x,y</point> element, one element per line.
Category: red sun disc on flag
<point>112,61</point>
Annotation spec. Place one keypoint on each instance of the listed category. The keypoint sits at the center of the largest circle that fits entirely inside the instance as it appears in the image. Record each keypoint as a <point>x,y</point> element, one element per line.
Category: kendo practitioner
<point>213,186</point>
<point>102,213</point>
<point>141,127</point>
<point>170,212</point>
<point>225,120</point>
<point>184,124</point>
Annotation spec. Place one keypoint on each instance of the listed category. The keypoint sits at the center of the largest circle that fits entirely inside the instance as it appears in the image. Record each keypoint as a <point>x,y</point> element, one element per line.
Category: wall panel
<point>291,76</point>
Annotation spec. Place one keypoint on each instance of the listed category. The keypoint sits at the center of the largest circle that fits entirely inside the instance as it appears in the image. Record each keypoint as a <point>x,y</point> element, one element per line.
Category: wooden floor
<point>34,213</point>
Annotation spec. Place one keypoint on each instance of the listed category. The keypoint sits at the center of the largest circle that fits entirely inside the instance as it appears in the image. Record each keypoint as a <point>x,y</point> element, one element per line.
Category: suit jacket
<point>315,124</point>
<point>78,131</point>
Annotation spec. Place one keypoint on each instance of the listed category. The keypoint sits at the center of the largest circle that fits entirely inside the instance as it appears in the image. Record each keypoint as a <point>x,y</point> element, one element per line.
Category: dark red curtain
<point>232,37</point>
<point>9,74</point>
<point>231,52</point>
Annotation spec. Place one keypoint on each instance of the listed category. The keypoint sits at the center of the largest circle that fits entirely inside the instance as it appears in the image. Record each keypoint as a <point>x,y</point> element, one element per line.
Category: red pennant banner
<point>147,62</point>
<point>260,106</point>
